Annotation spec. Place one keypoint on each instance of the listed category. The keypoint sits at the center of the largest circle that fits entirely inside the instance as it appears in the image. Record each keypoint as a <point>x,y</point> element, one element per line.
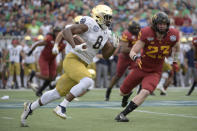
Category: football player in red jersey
<point>129,37</point>
<point>47,60</point>
<point>194,41</point>
<point>157,42</point>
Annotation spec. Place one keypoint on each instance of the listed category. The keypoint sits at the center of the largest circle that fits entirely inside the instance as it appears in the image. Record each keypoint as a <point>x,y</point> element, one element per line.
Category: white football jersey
<point>29,59</point>
<point>14,53</point>
<point>95,38</point>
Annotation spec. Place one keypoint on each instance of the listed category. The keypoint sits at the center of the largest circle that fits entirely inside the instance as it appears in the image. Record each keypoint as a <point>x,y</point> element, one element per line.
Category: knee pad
<point>82,86</point>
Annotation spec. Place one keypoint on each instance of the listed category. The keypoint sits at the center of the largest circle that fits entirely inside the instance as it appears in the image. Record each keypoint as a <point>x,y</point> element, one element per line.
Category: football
<point>78,41</point>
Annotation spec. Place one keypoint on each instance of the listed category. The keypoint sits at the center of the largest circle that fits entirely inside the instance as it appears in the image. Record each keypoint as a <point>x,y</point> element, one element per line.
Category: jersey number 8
<point>98,42</point>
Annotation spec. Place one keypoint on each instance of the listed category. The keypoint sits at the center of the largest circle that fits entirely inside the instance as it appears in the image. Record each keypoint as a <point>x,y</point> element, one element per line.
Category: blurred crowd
<point>34,18</point>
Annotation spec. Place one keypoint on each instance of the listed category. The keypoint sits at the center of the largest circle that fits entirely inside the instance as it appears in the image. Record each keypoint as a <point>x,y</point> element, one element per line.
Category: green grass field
<point>174,112</point>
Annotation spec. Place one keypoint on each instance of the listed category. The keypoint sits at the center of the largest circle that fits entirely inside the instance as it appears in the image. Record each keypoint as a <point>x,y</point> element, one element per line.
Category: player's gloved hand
<point>175,66</point>
<point>29,53</point>
<point>81,47</point>
<point>137,60</point>
<point>115,40</point>
<point>55,49</point>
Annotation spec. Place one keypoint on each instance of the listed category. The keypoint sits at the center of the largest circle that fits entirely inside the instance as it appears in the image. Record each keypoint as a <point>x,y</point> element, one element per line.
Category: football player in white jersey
<point>29,61</point>
<point>76,79</point>
<point>15,50</point>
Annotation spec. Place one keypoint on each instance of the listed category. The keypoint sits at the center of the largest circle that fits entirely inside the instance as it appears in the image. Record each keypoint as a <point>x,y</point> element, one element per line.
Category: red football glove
<point>137,60</point>
<point>175,66</point>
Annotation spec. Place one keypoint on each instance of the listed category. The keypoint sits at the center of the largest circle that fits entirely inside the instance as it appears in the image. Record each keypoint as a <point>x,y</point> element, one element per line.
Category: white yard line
<point>7,118</point>
<point>167,114</point>
<point>159,113</point>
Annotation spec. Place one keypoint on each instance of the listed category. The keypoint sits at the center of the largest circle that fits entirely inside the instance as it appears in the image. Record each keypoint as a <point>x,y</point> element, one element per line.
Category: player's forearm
<point>59,38</point>
<point>125,49</point>
<point>36,44</point>
<point>132,54</point>
<point>176,56</point>
<point>108,53</point>
<point>68,36</point>
<point>136,49</point>
<point>176,52</point>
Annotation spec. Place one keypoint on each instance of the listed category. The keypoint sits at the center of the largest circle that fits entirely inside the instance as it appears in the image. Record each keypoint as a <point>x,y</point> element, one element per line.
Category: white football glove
<point>115,40</point>
<point>80,47</point>
<point>55,49</point>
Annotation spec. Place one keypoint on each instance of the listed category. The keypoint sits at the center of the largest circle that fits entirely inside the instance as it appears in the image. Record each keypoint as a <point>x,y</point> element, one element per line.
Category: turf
<point>174,112</point>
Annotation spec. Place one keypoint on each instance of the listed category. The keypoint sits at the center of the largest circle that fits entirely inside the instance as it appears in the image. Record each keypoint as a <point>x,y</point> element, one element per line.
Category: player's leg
<point>121,67</point>
<point>63,86</point>
<point>168,81</point>
<point>18,70</point>
<point>46,98</point>
<point>11,74</point>
<point>149,84</point>
<point>44,74</point>
<point>163,79</point>
<point>193,85</point>
<point>78,74</point>
<point>131,81</point>
<point>51,76</point>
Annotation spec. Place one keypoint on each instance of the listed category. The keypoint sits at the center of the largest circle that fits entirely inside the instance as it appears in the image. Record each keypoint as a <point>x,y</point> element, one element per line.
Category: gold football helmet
<point>77,19</point>
<point>103,15</point>
<point>27,37</point>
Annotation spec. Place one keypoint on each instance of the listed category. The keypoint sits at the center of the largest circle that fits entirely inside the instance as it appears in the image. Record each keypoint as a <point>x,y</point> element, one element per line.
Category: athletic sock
<point>33,73</point>
<point>108,92</point>
<point>132,106</point>
<point>64,103</point>
<point>35,105</point>
<point>191,89</point>
<point>45,84</point>
<point>140,87</point>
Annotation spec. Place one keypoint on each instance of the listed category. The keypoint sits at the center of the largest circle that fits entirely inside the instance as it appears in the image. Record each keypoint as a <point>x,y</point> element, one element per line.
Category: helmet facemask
<point>160,18</point>
<point>134,28</point>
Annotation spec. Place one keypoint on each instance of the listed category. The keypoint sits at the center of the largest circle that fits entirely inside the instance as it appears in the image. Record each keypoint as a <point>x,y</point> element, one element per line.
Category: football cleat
<point>33,86</point>
<point>121,118</point>
<point>27,111</point>
<point>161,89</point>
<point>60,111</point>
<point>125,99</point>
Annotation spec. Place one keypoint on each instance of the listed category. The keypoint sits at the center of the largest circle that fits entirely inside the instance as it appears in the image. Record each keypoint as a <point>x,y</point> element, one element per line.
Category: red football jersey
<point>47,51</point>
<point>194,41</point>
<point>156,50</point>
<point>130,38</point>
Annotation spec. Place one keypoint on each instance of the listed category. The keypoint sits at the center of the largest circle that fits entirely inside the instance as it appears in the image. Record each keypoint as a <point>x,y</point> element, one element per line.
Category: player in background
<point>166,77</point>
<point>157,42</point>
<point>77,79</point>
<point>29,61</point>
<point>15,51</point>
<point>194,42</point>
<point>47,60</point>
<point>129,38</point>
